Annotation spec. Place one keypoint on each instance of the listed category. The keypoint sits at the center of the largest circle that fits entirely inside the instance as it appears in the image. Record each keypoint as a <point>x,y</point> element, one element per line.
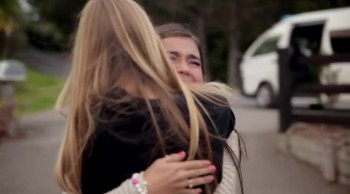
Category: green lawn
<point>38,93</point>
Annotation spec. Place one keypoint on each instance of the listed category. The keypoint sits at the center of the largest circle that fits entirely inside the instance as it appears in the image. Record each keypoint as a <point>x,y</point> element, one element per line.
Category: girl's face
<point>185,55</point>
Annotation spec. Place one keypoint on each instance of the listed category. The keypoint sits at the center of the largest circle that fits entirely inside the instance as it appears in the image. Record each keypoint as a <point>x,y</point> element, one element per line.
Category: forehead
<point>182,45</point>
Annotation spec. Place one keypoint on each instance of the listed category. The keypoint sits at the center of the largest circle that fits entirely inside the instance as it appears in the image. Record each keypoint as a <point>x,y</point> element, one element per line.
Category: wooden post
<point>7,109</point>
<point>285,90</point>
<point>8,93</point>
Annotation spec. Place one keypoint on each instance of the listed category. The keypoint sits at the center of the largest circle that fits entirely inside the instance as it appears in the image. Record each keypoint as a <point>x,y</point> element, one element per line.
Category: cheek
<point>197,75</point>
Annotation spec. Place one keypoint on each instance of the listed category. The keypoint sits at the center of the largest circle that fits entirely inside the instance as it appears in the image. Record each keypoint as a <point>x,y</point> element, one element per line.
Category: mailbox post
<point>11,72</point>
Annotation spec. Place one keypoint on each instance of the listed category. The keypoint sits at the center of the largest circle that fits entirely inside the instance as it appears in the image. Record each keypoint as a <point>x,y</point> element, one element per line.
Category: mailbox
<point>12,71</point>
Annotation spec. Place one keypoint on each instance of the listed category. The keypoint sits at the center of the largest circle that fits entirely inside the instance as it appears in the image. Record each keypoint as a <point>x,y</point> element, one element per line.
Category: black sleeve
<point>224,121</point>
<point>223,118</point>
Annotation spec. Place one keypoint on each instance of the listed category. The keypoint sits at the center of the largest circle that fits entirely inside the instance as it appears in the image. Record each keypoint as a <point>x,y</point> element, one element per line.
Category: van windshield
<point>268,46</point>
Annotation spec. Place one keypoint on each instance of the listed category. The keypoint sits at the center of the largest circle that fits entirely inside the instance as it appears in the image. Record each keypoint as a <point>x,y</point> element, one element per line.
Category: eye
<point>172,57</point>
<point>195,62</point>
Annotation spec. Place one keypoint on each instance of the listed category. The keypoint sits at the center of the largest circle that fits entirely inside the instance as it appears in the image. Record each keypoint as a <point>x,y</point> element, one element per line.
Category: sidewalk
<point>49,63</point>
<point>26,166</point>
<point>267,170</point>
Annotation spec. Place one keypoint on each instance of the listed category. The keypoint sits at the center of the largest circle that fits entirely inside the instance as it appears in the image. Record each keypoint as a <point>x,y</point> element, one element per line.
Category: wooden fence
<point>287,89</point>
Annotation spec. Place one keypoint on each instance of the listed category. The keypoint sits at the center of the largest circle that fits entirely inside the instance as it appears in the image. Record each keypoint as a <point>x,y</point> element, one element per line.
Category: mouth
<point>186,78</point>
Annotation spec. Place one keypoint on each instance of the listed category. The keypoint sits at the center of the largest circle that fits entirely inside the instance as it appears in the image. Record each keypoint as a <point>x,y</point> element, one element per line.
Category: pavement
<point>268,171</point>
<point>26,164</point>
<point>49,63</point>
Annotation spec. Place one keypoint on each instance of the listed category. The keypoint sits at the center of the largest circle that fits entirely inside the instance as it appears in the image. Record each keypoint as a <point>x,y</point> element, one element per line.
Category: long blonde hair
<point>116,37</point>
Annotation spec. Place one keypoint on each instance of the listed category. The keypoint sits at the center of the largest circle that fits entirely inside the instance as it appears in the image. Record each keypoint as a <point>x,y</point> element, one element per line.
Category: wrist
<point>139,183</point>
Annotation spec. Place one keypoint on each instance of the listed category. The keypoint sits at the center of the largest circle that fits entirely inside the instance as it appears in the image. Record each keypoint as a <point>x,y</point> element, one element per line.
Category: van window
<point>306,39</point>
<point>340,41</point>
<point>269,46</point>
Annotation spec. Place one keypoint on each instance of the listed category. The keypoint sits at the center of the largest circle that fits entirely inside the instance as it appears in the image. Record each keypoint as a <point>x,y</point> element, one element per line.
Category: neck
<point>128,83</point>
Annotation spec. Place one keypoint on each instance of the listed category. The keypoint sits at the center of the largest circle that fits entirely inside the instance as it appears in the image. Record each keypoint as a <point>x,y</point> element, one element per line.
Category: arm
<point>125,188</point>
<point>170,175</point>
<point>228,184</point>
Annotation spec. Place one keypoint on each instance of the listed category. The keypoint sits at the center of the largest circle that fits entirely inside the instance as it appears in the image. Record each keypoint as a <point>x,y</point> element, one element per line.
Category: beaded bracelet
<point>139,183</point>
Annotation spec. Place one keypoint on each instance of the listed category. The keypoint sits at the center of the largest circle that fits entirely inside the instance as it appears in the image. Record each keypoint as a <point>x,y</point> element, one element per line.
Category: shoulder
<point>216,112</point>
<point>220,113</point>
<point>223,118</point>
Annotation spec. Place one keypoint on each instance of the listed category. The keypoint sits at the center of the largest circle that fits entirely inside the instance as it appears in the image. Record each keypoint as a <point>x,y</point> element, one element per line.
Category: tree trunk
<point>233,71</point>
<point>200,25</point>
<point>2,44</point>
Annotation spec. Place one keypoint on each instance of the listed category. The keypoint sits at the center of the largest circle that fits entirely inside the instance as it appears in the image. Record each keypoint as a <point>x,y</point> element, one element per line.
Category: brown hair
<point>181,30</point>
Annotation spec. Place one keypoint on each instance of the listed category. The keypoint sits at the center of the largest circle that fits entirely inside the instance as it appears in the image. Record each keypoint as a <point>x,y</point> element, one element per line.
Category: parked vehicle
<point>321,32</point>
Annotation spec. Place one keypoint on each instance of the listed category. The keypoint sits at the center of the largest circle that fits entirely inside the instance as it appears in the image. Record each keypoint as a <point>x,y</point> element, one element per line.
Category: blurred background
<point>284,155</point>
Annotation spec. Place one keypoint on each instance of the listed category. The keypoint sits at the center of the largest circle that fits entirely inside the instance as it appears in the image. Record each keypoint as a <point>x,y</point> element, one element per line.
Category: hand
<point>171,175</point>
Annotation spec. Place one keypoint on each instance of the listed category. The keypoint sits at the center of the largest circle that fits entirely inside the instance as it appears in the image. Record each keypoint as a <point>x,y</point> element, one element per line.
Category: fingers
<point>200,171</point>
<point>200,181</point>
<point>175,157</point>
<point>194,164</point>
<point>190,191</point>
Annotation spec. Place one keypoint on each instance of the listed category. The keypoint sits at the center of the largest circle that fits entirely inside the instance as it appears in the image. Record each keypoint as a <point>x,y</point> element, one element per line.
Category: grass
<point>38,93</point>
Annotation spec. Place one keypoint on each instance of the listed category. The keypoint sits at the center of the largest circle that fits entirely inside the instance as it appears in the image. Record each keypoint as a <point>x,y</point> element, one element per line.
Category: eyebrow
<point>173,53</point>
<point>194,57</point>
<point>177,54</point>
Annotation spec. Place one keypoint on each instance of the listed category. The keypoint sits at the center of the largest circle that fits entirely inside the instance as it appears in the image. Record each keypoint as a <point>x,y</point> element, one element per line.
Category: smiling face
<point>186,57</point>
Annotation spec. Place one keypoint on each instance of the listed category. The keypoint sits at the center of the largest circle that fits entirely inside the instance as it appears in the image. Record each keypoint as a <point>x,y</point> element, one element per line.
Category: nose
<point>182,67</point>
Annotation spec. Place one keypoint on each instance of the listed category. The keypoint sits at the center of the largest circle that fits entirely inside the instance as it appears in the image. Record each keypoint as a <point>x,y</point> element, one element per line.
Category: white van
<point>320,32</point>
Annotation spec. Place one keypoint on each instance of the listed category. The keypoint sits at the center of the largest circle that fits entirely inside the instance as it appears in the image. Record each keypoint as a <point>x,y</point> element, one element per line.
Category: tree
<point>232,17</point>
<point>56,23</point>
<point>225,27</point>
<point>8,23</point>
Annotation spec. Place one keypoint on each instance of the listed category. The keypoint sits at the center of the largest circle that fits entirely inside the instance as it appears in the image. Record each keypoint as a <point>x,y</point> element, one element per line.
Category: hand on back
<point>172,175</point>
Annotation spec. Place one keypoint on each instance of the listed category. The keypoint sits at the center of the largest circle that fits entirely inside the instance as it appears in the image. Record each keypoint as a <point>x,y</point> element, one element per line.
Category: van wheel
<point>265,97</point>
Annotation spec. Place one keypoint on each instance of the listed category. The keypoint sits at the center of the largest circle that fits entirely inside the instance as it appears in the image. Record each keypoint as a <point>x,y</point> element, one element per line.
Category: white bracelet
<point>139,183</point>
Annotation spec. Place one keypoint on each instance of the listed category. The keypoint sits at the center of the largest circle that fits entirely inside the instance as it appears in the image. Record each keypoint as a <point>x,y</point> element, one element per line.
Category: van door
<point>305,41</point>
